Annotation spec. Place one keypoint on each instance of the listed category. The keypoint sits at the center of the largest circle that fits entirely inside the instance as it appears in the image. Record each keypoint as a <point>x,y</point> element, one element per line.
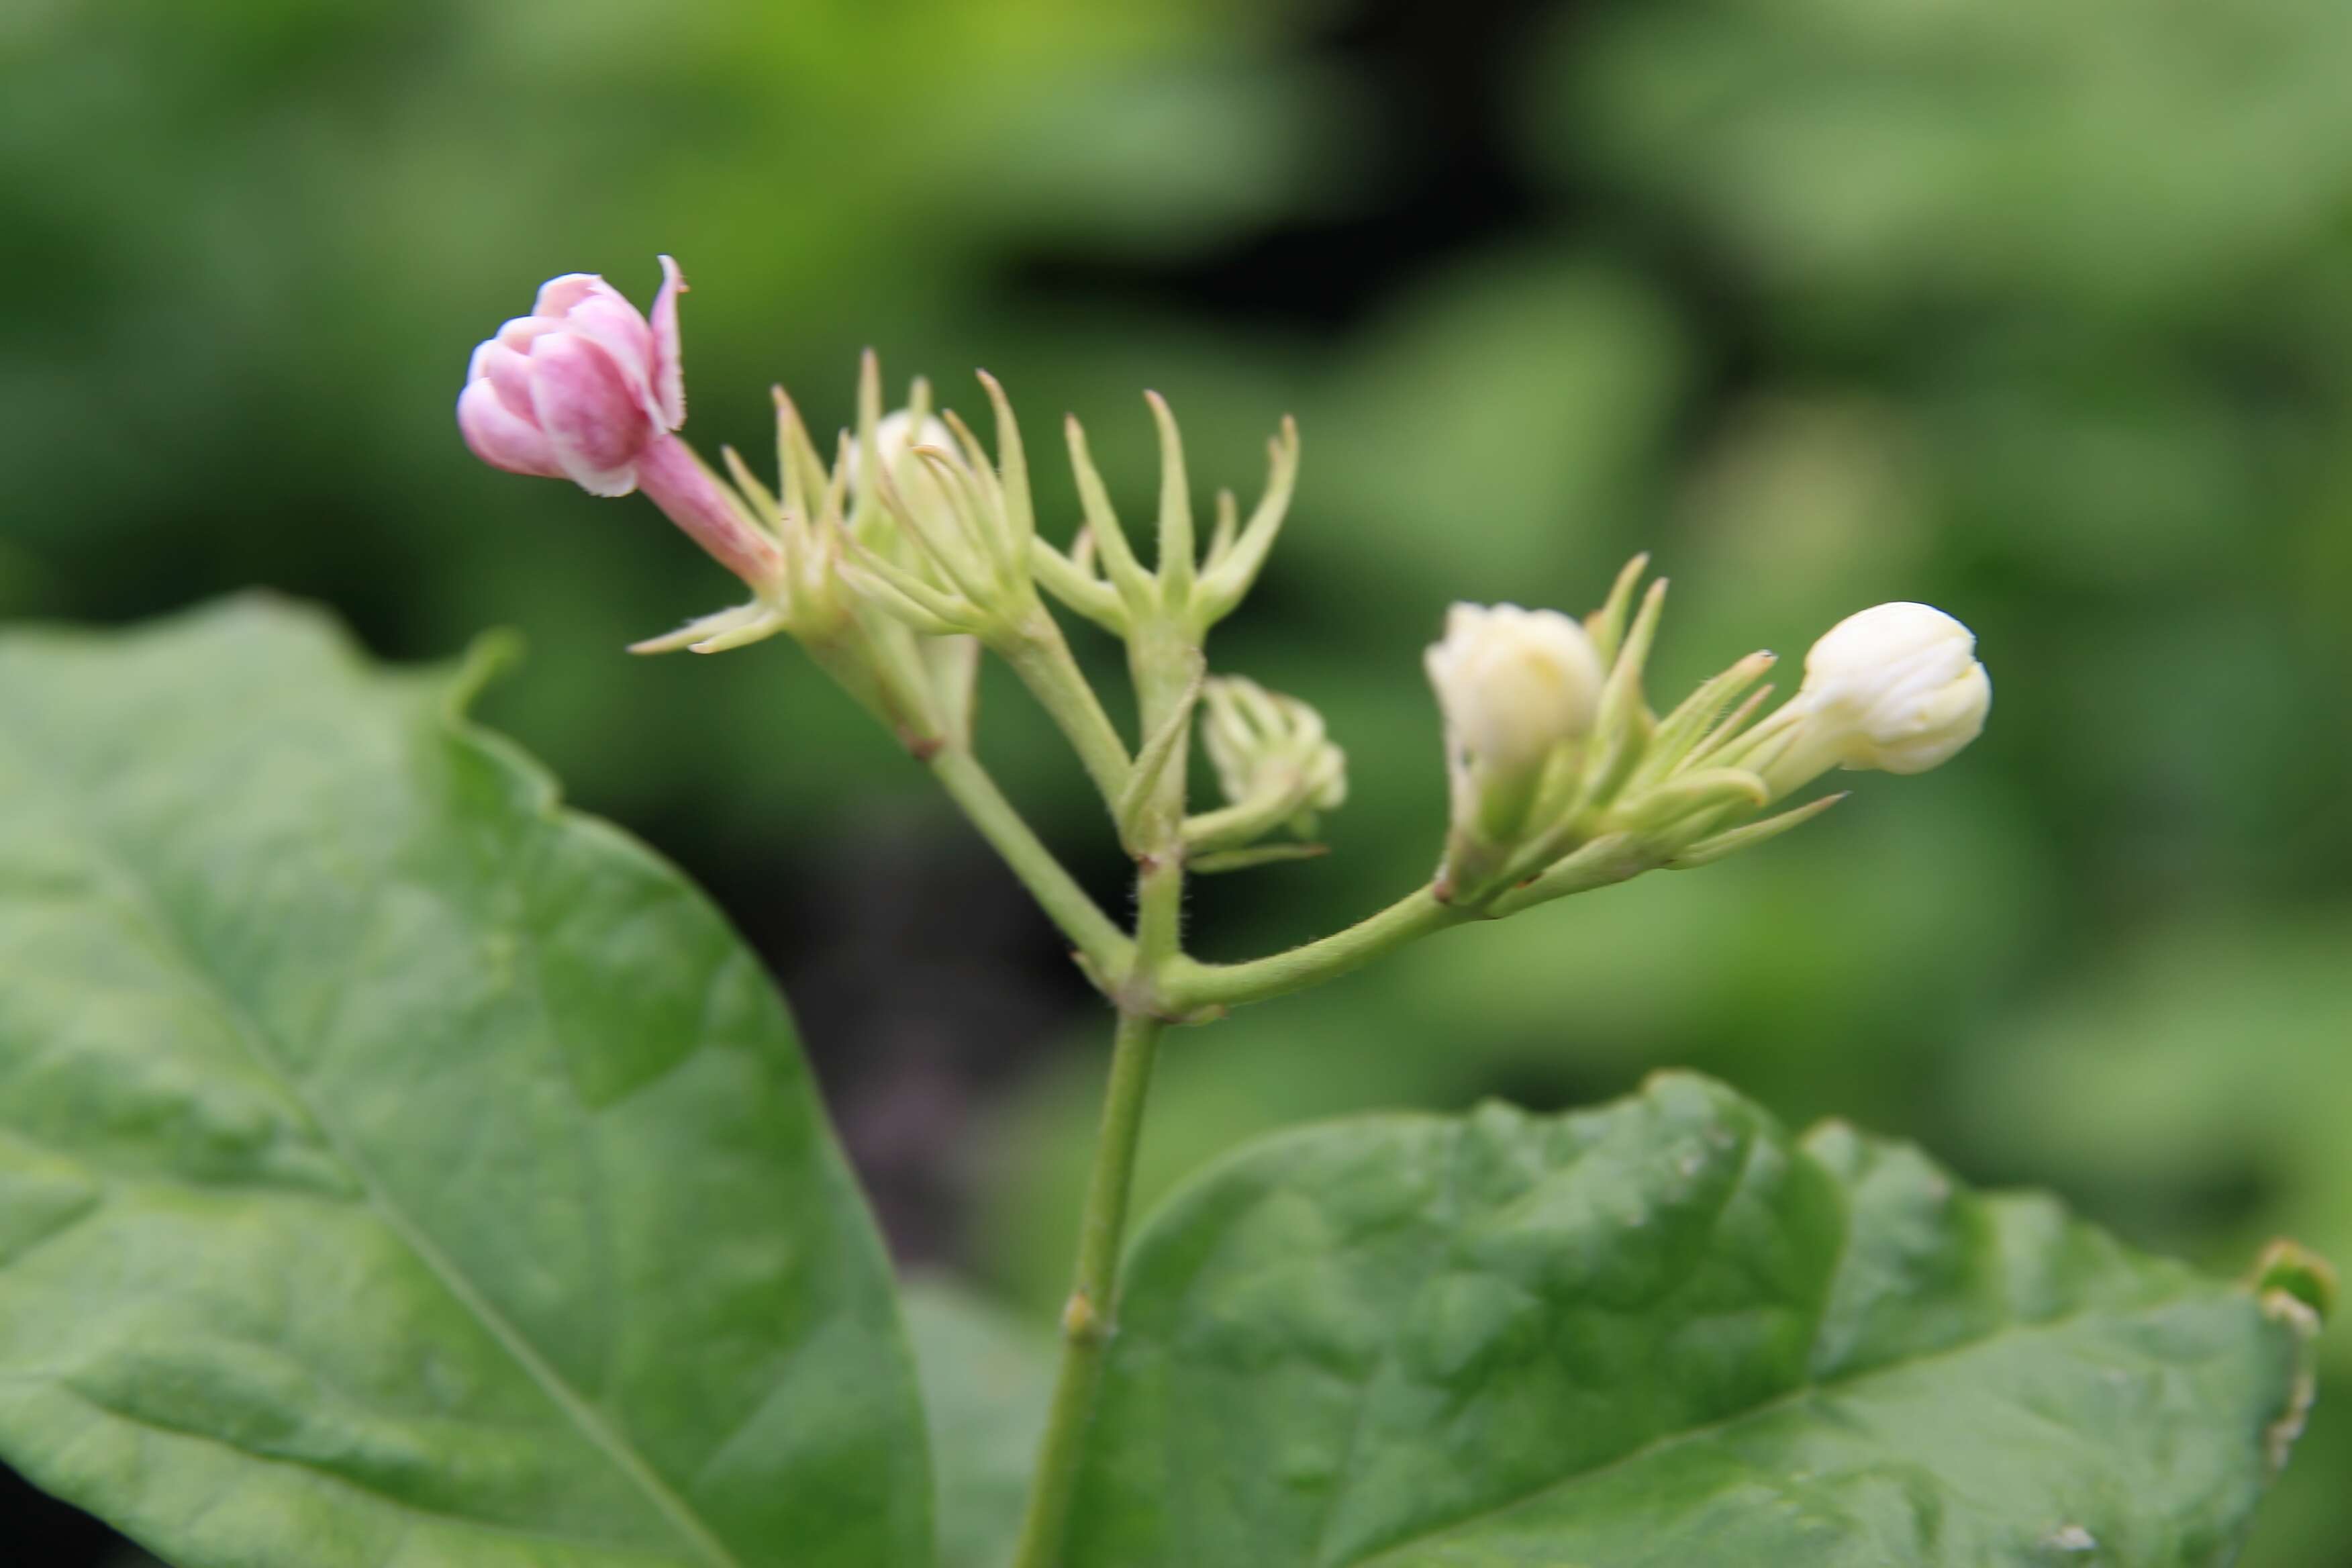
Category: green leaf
<point>396,1169</point>
<point>1663,1332</point>
<point>988,1377</point>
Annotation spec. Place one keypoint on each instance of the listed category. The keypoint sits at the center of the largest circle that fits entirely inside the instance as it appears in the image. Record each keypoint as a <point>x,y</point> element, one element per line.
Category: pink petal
<point>500,438</point>
<point>592,422</point>
<point>669,374</point>
<point>612,324</point>
<point>519,334</point>
<point>507,372</point>
<point>558,294</point>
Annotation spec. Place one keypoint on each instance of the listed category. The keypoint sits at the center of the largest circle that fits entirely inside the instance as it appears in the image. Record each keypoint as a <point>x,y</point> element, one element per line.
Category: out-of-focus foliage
<point>2042,313</point>
<point>988,1377</point>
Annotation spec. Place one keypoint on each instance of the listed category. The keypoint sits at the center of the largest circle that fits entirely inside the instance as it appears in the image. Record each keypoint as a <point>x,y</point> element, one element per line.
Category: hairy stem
<point>1166,665</point>
<point>1108,950</point>
<point>1605,861</point>
<point>1041,656</point>
<point>1244,821</point>
<point>1187,987</point>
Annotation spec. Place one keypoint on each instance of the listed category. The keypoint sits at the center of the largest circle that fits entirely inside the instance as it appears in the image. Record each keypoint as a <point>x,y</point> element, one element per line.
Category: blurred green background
<point>2042,313</point>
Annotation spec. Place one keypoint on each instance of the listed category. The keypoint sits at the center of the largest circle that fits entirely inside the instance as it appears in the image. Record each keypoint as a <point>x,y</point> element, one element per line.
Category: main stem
<point>1089,1317</point>
<point>1163,660</point>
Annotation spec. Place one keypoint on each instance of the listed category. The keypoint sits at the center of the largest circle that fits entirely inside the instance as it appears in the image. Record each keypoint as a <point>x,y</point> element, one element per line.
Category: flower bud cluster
<point>914,546</point>
<point>1101,578</point>
<point>944,534</point>
<point>1563,779</point>
<point>921,686</point>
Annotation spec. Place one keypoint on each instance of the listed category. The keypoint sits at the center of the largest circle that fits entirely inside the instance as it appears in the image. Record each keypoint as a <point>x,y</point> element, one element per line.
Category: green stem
<point>1166,666</point>
<point>1187,987</point>
<point>1106,949</point>
<point>1246,820</point>
<point>1041,656</point>
<point>1089,1319</point>
<point>1614,857</point>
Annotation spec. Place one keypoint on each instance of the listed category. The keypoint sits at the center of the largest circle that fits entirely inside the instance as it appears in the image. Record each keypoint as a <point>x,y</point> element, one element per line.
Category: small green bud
<point>1274,759</point>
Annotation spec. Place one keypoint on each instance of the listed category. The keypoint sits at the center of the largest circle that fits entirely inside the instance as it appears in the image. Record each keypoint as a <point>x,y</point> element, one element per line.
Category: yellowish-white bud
<point>1516,688</point>
<point>898,433</point>
<point>1896,687</point>
<point>1514,683</point>
<point>895,436</point>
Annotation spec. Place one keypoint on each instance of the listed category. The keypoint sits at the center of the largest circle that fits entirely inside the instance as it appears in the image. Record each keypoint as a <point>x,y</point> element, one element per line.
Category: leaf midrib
<point>256,1041</point>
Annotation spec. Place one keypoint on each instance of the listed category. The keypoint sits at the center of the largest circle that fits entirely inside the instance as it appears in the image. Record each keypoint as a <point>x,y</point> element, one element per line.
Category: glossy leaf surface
<point>1665,1332</point>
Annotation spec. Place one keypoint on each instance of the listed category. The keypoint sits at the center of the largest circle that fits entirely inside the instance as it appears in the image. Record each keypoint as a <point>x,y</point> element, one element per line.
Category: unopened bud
<point>1514,683</point>
<point>1515,686</point>
<point>585,388</point>
<point>1271,750</point>
<point>579,388</point>
<point>898,433</point>
<point>1895,687</point>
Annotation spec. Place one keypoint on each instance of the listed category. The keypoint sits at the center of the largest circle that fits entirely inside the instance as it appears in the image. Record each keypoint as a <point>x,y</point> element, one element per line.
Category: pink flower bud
<point>586,389</point>
<point>581,387</point>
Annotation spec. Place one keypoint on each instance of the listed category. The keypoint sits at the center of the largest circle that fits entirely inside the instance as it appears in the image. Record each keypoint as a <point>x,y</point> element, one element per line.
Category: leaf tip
<point>486,658</point>
<point>2290,1269</point>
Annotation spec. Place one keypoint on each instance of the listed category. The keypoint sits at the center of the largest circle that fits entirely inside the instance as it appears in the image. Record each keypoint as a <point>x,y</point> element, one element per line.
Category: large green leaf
<point>988,1377</point>
<point>397,1170</point>
<point>1665,1333</point>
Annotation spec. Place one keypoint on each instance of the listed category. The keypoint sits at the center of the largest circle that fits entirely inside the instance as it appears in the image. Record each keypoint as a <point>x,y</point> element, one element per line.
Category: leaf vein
<point>174,941</point>
<point>329,1476</point>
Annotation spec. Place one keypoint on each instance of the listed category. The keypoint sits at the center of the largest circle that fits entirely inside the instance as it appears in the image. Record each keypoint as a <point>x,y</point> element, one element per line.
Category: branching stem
<point>1108,950</point>
<point>1148,975</point>
<point>1187,987</point>
<point>1042,658</point>
<point>1166,665</point>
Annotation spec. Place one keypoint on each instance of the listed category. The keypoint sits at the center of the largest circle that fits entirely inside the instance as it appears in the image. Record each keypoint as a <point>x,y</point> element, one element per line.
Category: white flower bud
<point>1514,684</point>
<point>898,433</point>
<point>1515,687</point>
<point>1895,687</point>
<point>895,436</point>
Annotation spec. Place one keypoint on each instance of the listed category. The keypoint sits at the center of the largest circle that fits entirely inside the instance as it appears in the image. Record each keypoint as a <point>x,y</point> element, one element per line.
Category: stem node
<point>1080,1320</point>
<point>1090,1319</point>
